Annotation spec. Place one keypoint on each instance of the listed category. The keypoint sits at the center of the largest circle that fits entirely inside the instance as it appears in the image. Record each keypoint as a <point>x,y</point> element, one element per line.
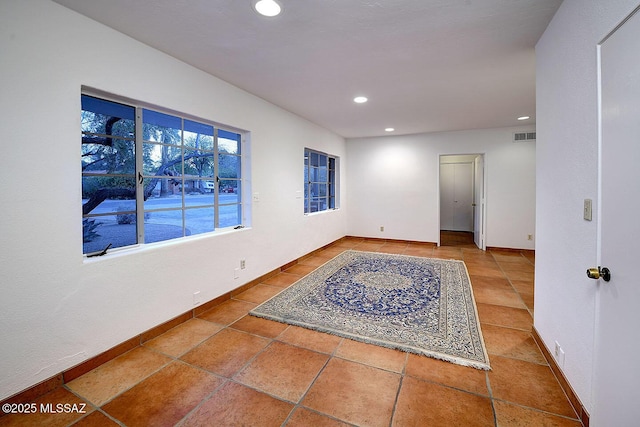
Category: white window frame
<point>141,178</point>
<point>320,187</point>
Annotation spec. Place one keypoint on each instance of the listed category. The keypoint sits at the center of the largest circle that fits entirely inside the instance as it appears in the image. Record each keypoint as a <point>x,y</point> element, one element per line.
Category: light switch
<point>587,209</point>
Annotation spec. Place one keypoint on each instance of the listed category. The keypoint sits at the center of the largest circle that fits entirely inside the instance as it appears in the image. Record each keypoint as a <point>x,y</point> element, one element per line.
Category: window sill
<point>321,212</point>
<point>139,248</point>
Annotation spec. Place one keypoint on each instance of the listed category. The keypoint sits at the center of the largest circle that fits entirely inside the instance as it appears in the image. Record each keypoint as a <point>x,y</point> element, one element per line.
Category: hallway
<point>227,368</point>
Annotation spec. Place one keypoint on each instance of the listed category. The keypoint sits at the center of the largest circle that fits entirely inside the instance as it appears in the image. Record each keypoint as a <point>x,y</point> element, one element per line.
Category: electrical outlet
<point>381,228</point>
<point>243,264</point>
<point>559,355</point>
<point>588,210</point>
<point>529,236</point>
<point>196,298</point>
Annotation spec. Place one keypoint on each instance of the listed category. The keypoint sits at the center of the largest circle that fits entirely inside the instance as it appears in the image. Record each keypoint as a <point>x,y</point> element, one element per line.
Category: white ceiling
<point>425,65</point>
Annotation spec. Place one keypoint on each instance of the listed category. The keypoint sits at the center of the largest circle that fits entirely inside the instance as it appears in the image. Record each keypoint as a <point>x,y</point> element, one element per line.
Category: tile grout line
<point>491,399</point>
<point>511,283</point>
<point>402,376</point>
<point>172,360</point>
<point>206,398</point>
<point>298,404</point>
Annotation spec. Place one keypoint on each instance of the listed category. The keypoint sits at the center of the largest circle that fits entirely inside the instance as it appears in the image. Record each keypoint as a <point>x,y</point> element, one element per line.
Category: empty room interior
<point>196,159</point>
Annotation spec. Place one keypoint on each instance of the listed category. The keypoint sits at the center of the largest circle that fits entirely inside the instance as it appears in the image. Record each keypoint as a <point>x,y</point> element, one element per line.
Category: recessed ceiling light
<point>360,99</point>
<point>268,8</point>
<point>389,129</point>
<point>524,118</point>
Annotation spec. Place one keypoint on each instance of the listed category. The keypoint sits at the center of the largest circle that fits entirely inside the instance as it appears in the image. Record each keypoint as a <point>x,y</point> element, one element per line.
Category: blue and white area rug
<point>418,305</point>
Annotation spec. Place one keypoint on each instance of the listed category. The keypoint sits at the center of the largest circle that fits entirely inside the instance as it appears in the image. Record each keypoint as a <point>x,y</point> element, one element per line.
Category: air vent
<point>524,136</point>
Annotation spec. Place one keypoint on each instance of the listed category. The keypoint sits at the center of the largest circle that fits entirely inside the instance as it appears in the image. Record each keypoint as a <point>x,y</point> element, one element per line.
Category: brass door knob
<point>600,272</point>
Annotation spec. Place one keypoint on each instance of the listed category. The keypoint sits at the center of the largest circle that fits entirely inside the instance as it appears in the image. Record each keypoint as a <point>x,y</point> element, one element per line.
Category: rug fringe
<point>386,344</point>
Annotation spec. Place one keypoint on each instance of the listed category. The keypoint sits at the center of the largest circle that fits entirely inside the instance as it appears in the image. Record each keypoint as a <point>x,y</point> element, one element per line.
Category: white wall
<point>58,309</point>
<point>567,156</point>
<point>393,182</point>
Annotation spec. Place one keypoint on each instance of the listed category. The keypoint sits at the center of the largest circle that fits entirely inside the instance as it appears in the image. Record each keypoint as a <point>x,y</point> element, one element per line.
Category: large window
<point>148,176</point>
<point>319,181</point>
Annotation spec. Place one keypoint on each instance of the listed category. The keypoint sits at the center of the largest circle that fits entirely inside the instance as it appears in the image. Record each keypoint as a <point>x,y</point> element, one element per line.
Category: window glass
<point>199,163</point>
<point>162,159</point>
<point>161,127</point>
<point>230,215</point>
<point>198,135</point>
<point>229,166</point>
<point>228,142</point>
<point>200,220</point>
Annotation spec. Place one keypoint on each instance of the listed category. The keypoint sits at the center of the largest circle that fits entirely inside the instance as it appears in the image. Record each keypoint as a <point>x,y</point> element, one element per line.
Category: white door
<point>447,198</point>
<point>478,202</point>
<point>463,216</point>
<point>616,386</point>
<point>456,196</point>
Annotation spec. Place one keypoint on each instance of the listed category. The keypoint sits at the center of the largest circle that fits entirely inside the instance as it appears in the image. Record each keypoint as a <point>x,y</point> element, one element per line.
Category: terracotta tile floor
<point>226,368</point>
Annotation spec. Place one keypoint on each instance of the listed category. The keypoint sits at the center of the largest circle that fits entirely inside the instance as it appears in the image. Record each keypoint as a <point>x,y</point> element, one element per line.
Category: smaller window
<point>320,176</point>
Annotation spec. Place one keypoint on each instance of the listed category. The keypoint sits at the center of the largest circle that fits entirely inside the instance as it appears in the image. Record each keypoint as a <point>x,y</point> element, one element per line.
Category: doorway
<point>461,197</point>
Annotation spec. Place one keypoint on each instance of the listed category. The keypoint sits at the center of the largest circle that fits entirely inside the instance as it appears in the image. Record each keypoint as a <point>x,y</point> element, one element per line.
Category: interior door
<point>615,389</point>
<point>463,194</point>
<point>478,202</point>
<point>456,196</point>
<point>447,198</point>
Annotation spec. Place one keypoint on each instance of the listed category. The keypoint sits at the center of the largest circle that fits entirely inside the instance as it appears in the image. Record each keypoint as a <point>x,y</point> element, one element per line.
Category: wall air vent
<point>524,136</point>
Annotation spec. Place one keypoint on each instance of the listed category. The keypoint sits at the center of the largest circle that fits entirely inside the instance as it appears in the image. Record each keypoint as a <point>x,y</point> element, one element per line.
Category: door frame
<point>479,212</point>
<point>482,212</point>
